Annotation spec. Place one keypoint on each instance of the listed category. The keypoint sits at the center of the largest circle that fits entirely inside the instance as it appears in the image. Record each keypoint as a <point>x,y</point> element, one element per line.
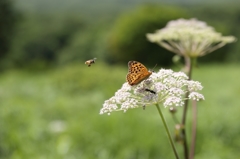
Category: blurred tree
<point>235,55</point>
<point>128,38</point>
<point>86,43</point>
<point>39,39</point>
<point>8,19</point>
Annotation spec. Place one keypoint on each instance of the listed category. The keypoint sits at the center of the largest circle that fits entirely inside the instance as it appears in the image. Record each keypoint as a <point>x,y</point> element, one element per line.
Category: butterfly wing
<point>132,78</point>
<point>137,67</point>
<point>135,78</point>
<point>137,72</point>
<point>133,67</point>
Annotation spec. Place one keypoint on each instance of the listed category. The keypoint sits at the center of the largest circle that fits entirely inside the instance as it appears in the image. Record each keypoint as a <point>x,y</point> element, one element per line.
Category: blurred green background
<point>50,100</point>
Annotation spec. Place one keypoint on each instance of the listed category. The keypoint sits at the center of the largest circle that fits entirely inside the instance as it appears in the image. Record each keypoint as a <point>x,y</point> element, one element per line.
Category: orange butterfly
<point>137,72</point>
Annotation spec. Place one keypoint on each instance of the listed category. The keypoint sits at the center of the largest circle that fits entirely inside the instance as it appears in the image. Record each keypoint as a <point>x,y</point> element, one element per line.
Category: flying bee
<point>89,62</point>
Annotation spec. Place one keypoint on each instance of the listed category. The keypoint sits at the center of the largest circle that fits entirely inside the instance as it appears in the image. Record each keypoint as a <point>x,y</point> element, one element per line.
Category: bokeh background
<point>50,100</point>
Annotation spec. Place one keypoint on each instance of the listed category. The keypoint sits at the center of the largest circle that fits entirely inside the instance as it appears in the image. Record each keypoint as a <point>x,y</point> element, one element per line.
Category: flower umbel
<point>166,87</point>
<point>191,38</point>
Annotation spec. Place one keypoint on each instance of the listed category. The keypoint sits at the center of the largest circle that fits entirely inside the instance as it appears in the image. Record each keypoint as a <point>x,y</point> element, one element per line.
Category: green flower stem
<point>194,130</point>
<point>194,117</point>
<point>185,146</point>
<point>189,64</point>
<point>167,130</point>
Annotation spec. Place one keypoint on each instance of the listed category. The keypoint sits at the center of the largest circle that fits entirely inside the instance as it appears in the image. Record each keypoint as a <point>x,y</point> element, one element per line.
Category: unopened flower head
<point>190,38</point>
<point>164,87</point>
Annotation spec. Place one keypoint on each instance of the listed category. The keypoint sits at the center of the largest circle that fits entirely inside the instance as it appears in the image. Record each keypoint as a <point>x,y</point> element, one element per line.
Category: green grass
<point>55,114</point>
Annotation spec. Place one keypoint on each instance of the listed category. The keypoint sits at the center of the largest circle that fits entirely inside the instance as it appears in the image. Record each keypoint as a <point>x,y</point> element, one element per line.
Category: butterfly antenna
<point>153,67</point>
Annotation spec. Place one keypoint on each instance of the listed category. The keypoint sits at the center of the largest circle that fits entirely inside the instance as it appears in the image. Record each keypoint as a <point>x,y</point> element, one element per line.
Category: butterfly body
<point>137,72</point>
<point>90,62</point>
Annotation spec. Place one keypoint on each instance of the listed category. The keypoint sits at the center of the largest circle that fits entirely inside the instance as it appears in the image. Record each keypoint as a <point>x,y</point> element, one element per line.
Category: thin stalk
<point>168,133</point>
<point>188,64</point>
<point>184,135</point>
<point>194,130</point>
<point>194,118</point>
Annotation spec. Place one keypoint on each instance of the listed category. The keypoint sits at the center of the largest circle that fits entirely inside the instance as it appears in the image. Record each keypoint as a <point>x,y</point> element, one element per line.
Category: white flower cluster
<point>191,38</point>
<point>165,87</point>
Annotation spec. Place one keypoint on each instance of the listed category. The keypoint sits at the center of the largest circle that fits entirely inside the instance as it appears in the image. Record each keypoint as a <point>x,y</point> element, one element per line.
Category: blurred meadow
<point>50,100</point>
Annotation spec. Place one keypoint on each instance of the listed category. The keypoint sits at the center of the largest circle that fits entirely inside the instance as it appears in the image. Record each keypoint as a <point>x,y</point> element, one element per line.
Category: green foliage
<point>85,44</point>
<point>128,38</point>
<point>35,106</point>
<point>76,31</point>
<point>43,40</point>
<point>8,20</point>
<point>39,39</point>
